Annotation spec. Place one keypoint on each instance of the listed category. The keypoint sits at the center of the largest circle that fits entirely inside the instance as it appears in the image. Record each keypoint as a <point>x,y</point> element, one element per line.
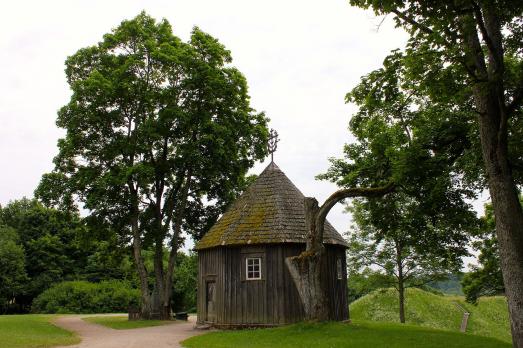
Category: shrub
<point>85,297</point>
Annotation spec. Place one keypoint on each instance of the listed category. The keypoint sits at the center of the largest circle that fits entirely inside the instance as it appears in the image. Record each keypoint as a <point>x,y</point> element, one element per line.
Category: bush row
<point>85,297</point>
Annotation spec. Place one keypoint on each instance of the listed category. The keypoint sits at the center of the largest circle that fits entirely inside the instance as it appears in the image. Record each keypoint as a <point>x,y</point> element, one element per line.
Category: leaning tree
<point>305,268</point>
<point>159,137</point>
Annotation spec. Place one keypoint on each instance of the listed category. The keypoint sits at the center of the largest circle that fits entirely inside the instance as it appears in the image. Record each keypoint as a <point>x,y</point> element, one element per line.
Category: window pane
<point>253,268</point>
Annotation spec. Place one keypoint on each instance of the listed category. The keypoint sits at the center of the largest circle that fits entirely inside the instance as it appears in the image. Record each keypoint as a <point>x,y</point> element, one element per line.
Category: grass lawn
<point>122,323</point>
<point>332,335</point>
<point>32,330</point>
<point>488,318</point>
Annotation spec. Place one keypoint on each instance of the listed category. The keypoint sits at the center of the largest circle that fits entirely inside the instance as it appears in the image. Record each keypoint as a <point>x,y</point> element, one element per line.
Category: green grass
<point>122,323</point>
<point>332,335</point>
<point>32,330</point>
<point>488,318</point>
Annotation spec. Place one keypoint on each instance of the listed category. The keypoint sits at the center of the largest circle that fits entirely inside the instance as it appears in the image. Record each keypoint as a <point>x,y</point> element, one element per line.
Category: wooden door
<point>211,298</point>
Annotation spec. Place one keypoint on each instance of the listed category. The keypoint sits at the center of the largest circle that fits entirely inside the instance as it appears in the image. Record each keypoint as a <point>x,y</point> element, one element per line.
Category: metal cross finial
<point>272,144</point>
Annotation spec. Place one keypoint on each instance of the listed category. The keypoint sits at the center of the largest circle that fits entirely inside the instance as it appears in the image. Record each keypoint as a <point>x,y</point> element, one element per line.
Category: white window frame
<point>258,260</point>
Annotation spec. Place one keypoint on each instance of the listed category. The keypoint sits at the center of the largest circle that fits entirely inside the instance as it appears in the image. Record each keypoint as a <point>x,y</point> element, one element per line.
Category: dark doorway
<point>211,296</point>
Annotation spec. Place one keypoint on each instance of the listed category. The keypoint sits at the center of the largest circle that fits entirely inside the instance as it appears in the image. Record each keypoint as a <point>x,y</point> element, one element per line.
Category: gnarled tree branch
<point>305,269</point>
<point>369,192</point>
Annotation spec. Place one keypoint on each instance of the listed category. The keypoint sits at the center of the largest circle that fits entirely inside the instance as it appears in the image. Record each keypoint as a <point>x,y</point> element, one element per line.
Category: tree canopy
<point>12,264</point>
<point>409,247</point>
<point>45,246</point>
<point>464,60</point>
<point>159,137</point>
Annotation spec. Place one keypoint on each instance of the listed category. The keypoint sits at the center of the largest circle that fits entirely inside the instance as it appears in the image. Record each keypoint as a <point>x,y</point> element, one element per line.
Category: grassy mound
<point>488,318</point>
<point>122,323</point>
<point>334,335</point>
<point>27,331</point>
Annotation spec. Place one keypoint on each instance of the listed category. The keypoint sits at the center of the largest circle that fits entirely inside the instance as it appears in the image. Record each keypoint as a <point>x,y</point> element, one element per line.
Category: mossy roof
<point>270,211</point>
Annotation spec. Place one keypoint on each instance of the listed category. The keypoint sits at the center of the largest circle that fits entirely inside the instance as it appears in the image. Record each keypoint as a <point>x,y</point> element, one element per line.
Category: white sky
<point>300,59</point>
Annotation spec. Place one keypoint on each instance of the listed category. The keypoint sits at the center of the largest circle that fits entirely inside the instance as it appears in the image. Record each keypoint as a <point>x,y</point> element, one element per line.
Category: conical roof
<point>269,211</point>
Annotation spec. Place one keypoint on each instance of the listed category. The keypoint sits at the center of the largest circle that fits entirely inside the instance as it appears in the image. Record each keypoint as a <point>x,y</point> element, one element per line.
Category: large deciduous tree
<point>159,136</point>
<point>480,42</point>
<point>411,247</point>
<point>407,146</point>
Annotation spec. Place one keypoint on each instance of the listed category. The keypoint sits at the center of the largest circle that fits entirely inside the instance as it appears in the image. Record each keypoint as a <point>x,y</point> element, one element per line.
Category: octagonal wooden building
<point>242,276</point>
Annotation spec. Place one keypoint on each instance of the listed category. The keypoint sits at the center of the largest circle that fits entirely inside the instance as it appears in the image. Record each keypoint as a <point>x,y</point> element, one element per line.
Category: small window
<point>253,269</point>
<point>339,268</point>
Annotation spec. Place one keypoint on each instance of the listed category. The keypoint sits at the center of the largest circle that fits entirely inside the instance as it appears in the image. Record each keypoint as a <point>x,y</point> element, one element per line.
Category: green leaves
<point>485,278</point>
<point>159,137</point>
<point>42,246</point>
<point>12,264</point>
<point>145,108</point>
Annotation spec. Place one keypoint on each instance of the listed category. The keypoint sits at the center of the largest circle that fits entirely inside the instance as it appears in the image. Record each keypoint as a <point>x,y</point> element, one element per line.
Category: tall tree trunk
<point>401,293</point>
<point>305,269</point>
<point>161,308</point>
<point>145,305</point>
<point>489,98</point>
<point>178,220</point>
<point>509,217</point>
<point>509,230</point>
<point>160,311</point>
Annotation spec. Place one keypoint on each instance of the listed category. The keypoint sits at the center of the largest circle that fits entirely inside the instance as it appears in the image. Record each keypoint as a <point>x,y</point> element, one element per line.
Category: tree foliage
<point>85,297</point>
<point>12,266</point>
<point>485,278</point>
<point>52,246</point>
<point>405,138</point>
<point>364,281</point>
<point>464,60</point>
<point>50,242</point>
<point>185,283</point>
<point>410,247</point>
<point>159,137</point>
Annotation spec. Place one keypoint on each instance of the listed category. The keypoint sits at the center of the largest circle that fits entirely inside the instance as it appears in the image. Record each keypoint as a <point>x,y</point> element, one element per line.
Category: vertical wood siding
<point>273,300</point>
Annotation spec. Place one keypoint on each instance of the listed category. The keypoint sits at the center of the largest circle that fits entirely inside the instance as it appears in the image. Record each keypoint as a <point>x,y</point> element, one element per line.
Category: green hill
<point>488,318</point>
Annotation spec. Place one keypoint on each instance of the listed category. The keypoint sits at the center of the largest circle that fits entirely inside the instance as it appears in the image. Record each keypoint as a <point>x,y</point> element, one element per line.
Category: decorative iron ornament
<point>272,144</point>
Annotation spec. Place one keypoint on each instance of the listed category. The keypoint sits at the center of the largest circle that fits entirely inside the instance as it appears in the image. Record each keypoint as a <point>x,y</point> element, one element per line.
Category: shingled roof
<point>269,211</point>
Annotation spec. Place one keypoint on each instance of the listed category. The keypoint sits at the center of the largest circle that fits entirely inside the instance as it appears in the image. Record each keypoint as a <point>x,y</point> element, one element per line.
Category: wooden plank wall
<point>273,300</point>
<point>211,267</point>
<point>337,288</point>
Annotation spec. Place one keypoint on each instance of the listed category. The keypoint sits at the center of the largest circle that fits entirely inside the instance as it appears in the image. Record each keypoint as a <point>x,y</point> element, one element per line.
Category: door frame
<point>209,279</point>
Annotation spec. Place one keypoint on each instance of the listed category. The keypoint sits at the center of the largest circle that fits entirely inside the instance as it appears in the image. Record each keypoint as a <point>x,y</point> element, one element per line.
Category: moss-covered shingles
<point>269,211</point>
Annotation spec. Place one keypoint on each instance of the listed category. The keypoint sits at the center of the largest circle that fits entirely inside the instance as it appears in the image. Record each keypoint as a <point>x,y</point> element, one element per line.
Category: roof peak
<point>271,166</point>
<point>269,211</point>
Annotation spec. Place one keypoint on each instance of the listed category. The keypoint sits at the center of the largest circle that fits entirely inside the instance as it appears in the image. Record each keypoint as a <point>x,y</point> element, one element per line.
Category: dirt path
<point>97,336</point>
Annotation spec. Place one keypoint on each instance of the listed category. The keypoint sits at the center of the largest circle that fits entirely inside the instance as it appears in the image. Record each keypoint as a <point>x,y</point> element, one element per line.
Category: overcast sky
<point>299,57</point>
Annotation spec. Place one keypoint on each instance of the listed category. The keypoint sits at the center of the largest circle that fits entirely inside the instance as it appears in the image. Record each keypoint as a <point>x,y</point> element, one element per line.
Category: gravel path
<point>97,336</point>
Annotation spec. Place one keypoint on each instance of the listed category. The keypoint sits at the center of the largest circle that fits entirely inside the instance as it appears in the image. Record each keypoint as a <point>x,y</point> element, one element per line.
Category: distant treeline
<point>42,247</point>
